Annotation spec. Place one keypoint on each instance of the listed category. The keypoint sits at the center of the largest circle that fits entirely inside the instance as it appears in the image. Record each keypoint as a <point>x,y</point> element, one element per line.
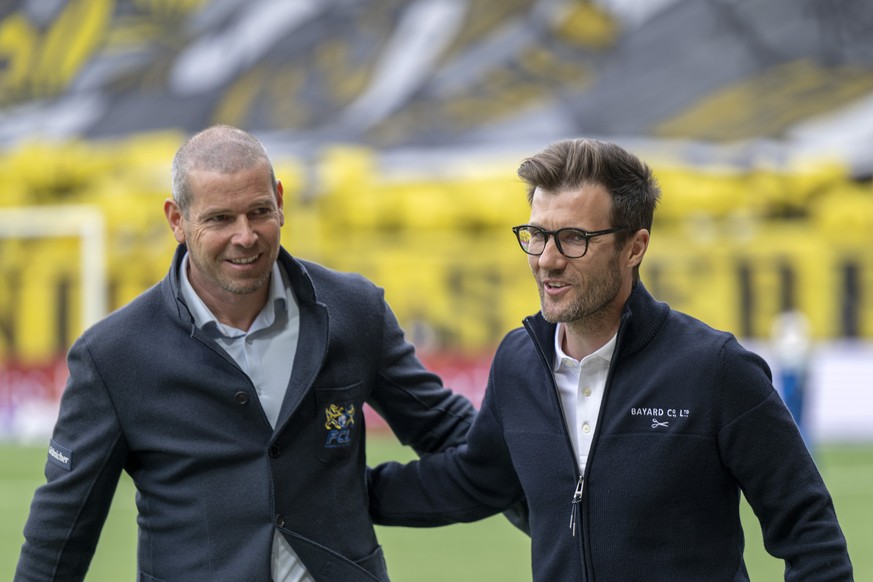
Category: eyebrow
<point>260,203</point>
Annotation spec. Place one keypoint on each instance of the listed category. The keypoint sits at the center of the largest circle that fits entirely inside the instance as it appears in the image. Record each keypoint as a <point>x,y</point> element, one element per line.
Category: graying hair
<point>220,148</point>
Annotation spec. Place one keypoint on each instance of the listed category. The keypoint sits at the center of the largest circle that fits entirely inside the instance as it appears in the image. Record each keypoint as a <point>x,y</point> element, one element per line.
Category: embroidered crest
<point>339,421</point>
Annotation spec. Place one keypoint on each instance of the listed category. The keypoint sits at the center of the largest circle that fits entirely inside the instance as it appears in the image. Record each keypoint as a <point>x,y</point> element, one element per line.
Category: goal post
<point>83,221</point>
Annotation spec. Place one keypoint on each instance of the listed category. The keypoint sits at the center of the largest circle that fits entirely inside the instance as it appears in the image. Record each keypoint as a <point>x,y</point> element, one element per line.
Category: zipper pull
<point>577,498</point>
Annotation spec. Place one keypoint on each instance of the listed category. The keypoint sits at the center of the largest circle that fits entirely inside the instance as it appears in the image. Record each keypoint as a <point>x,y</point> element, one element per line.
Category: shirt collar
<point>203,316</point>
<point>604,352</point>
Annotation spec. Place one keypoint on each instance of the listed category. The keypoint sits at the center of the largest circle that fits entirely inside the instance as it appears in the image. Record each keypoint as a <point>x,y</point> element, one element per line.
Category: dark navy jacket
<point>152,395</point>
<point>689,419</point>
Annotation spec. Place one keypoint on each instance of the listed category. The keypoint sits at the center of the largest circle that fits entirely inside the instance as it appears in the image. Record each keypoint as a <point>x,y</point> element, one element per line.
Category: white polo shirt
<point>581,385</point>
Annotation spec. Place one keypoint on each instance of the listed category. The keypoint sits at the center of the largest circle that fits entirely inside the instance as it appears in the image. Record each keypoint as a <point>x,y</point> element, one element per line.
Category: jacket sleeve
<point>413,401</point>
<point>462,484</point>
<point>763,448</point>
<point>84,463</point>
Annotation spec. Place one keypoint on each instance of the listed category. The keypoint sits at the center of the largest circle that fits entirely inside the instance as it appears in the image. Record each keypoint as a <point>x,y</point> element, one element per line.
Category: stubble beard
<point>227,283</point>
<point>590,304</point>
<point>239,289</point>
<point>246,286</point>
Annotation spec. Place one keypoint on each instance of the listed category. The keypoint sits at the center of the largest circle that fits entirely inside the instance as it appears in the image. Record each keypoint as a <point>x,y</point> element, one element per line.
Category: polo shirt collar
<point>604,352</point>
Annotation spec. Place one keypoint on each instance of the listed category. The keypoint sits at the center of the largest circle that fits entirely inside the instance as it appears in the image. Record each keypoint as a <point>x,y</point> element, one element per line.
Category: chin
<point>245,287</point>
<point>551,316</point>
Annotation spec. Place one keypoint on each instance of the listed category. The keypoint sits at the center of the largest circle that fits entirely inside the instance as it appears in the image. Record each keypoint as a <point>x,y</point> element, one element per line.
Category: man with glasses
<point>629,428</point>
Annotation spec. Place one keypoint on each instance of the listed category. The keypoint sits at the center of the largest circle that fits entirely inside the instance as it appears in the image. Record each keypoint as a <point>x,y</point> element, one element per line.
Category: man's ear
<point>636,247</point>
<point>280,201</point>
<point>174,219</point>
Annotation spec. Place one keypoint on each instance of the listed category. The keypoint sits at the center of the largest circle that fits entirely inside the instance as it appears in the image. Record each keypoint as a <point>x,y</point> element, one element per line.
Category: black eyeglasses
<point>571,242</point>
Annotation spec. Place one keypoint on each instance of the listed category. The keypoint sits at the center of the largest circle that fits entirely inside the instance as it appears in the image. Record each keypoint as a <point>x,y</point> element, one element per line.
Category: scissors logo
<point>656,423</point>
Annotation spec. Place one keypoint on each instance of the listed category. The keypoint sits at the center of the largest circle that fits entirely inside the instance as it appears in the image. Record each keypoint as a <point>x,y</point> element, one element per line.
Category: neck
<point>238,310</point>
<point>240,315</point>
<point>586,335</point>
<point>583,338</point>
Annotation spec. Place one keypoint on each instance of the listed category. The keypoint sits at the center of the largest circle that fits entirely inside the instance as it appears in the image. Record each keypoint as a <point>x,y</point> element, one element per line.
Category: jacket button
<point>280,520</point>
<point>274,451</point>
<point>241,397</point>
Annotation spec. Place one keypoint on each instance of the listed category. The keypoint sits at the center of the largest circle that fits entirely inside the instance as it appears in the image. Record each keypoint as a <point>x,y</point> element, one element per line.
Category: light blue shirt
<point>266,354</point>
<point>265,351</point>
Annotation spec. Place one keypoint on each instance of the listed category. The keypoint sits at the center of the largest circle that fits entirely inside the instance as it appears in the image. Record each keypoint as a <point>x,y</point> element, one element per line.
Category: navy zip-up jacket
<point>689,419</point>
<point>151,394</point>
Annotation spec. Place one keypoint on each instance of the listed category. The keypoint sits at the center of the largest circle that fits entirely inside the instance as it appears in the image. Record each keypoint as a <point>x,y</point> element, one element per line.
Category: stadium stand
<point>396,128</point>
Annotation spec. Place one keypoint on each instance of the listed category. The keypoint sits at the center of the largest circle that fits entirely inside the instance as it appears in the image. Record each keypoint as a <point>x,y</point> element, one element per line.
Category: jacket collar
<point>642,318</point>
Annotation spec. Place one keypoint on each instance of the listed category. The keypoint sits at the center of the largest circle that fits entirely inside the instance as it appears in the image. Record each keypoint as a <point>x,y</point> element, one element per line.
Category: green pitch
<point>488,550</point>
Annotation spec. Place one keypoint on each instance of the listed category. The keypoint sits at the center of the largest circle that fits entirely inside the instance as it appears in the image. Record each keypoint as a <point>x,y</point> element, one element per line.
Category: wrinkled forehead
<point>587,206</point>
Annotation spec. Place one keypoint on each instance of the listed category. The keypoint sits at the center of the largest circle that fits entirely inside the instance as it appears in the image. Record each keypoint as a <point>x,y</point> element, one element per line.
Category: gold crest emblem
<point>339,417</point>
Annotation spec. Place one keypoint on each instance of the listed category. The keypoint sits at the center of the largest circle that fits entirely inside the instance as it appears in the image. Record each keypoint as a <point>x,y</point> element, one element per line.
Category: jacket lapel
<point>312,341</point>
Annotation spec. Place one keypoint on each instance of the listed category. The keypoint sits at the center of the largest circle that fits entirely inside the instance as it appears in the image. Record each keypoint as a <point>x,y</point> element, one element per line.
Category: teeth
<point>244,261</point>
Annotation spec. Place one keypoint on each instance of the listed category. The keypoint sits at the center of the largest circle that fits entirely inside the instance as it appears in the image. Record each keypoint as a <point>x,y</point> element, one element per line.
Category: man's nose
<point>551,255</point>
<point>244,234</point>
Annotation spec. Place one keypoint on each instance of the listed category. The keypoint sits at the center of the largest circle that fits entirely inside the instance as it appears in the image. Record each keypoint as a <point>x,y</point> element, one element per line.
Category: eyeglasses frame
<point>553,234</point>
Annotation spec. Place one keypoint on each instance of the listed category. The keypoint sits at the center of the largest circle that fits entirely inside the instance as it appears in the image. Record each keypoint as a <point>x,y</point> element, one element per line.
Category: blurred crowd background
<point>396,127</point>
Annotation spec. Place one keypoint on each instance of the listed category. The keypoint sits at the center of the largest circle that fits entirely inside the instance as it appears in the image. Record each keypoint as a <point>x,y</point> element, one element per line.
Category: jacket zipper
<point>574,504</point>
<point>576,501</point>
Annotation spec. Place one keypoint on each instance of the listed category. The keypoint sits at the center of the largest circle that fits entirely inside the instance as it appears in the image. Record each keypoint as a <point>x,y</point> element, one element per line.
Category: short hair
<point>572,163</point>
<point>220,148</point>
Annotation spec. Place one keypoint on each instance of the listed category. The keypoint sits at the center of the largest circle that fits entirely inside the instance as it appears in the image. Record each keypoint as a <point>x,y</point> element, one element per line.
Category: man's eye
<point>218,218</point>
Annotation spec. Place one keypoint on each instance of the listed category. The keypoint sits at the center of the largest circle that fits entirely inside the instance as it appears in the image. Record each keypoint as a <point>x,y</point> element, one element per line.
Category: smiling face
<point>232,231</point>
<point>587,293</point>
